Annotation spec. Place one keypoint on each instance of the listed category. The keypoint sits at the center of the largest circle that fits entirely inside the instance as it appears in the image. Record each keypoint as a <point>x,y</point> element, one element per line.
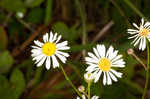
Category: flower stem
<point>67,78</point>
<point>147,72</point>
<point>139,60</point>
<point>89,84</point>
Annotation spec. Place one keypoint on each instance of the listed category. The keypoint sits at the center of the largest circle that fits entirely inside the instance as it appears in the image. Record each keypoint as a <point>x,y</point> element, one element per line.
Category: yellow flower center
<point>104,64</point>
<point>89,74</point>
<point>49,48</point>
<point>144,32</point>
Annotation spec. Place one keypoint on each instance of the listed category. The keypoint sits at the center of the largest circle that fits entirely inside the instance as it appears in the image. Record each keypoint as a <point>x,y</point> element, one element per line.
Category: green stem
<point>89,84</point>
<point>147,72</point>
<point>135,9</point>
<point>67,78</point>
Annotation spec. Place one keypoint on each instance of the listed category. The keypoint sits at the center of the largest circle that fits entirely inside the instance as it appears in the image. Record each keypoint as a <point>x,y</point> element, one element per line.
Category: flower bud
<point>130,51</point>
<point>81,88</point>
<point>88,77</point>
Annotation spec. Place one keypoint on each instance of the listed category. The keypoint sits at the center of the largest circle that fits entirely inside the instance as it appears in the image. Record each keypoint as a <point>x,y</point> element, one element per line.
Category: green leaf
<point>18,83</point>
<point>48,15</point>
<point>6,61</point>
<point>3,38</point>
<point>33,3</point>
<point>36,15</point>
<point>77,48</point>
<point>13,5</point>
<point>61,28</point>
<point>5,91</point>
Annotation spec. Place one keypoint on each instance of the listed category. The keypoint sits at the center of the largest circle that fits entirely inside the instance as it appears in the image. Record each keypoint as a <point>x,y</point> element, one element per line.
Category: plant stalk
<point>67,78</point>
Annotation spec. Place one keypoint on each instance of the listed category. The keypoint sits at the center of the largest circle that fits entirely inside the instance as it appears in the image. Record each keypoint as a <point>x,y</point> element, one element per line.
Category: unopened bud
<point>88,77</point>
<point>130,51</point>
<point>81,88</point>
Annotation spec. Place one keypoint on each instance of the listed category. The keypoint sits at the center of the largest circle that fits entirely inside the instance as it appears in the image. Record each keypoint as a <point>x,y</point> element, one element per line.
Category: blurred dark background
<point>84,23</point>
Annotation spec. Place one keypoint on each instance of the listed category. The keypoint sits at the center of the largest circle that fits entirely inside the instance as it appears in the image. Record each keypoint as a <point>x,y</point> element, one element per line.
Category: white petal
<point>118,74</point>
<point>91,60</point>
<point>144,44</point>
<point>109,82</point>
<point>54,37</point>
<point>142,21</point>
<point>134,36</point>
<point>101,50</point>
<point>116,58</point>
<point>41,61</point>
<point>135,25</point>
<point>45,38</point>
<point>51,37</point>
<point>48,63</point>
<point>38,43</point>
<point>112,55</point>
<point>39,57</point>
<point>104,78</point>
<point>96,52</point>
<point>63,53</point>
<point>59,37</point>
<point>132,30</point>
<point>95,97</point>
<point>78,97</point>
<point>55,62</point>
<point>62,44</point>
<point>147,24</point>
<point>110,50</point>
<point>63,48</point>
<point>97,76</point>
<point>93,56</point>
<point>137,41</point>
<point>62,58</point>
<point>113,77</point>
<point>141,43</point>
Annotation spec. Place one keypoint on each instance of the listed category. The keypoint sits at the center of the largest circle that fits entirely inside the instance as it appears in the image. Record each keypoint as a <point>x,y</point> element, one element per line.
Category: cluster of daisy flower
<point>101,62</point>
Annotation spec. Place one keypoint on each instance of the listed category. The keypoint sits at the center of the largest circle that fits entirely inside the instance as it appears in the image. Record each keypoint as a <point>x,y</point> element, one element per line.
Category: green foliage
<point>14,88</point>
<point>35,15</point>
<point>6,61</point>
<point>17,82</point>
<point>13,5</point>
<point>48,15</point>
<point>33,3</point>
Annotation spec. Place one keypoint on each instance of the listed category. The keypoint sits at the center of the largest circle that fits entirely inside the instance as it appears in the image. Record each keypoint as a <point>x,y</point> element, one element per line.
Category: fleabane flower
<point>83,97</point>
<point>102,61</point>
<point>49,50</point>
<point>140,34</point>
<point>88,77</point>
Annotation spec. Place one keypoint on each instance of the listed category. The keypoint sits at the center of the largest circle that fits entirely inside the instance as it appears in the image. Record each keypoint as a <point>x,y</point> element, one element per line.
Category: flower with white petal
<point>140,34</point>
<point>102,61</point>
<point>49,50</point>
<point>83,97</point>
<point>88,77</point>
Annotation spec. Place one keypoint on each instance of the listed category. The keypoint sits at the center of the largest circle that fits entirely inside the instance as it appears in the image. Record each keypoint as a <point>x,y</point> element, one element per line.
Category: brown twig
<point>103,31</point>
<point>17,51</point>
<point>99,35</point>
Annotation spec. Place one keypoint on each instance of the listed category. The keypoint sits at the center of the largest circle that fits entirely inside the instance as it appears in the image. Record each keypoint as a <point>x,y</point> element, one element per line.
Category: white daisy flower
<point>104,61</point>
<point>140,34</point>
<point>47,51</point>
<point>83,97</point>
<point>88,77</point>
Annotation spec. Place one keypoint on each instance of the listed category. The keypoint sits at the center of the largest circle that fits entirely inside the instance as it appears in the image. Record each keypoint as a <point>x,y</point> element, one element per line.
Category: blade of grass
<point>48,13</point>
<point>135,9</point>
